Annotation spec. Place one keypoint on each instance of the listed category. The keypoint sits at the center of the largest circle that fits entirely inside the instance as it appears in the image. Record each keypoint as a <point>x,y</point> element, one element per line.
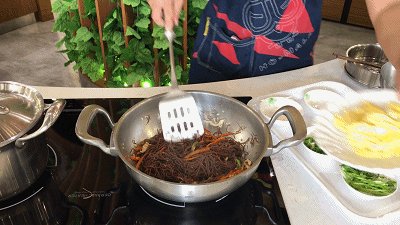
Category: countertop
<point>305,201</point>
<point>329,71</point>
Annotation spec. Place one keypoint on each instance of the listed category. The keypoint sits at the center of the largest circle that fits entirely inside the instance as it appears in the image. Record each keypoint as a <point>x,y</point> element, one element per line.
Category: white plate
<point>325,169</point>
<point>335,142</point>
<point>270,105</point>
<point>320,99</point>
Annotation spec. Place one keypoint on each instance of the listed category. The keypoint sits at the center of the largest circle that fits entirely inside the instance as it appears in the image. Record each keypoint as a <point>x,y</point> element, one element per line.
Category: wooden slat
<point>127,19</point>
<point>43,12</point>
<point>358,14</point>
<point>103,9</point>
<point>85,22</point>
<point>332,9</point>
<point>11,9</point>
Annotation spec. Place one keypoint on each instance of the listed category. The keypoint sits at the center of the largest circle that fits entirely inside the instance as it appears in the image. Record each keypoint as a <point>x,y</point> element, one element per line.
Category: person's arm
<point>384,16</point>
<point>165,13</point>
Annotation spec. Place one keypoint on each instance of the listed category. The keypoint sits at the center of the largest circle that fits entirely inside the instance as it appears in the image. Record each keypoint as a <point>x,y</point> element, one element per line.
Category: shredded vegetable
<point>368,183</point>
<point>310,143</point>
<point>209,158</point>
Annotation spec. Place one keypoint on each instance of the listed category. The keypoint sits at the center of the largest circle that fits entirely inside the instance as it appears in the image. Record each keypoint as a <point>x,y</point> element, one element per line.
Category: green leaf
<point>145,10</point>
<point>132,3</point>
<point>143,23</point>
<point>90,7</point>
<point>178,71</point>
<point>200,4</point>
<point>132,32</point>
<point>179,31</point>
<point>82,34</point>
<point>109,23</point>
<point>60,42</point>
<point>161,44</point>
<point>118,38</point>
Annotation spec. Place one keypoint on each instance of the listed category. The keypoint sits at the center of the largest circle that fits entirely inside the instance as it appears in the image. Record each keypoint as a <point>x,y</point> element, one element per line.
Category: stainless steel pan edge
<point>191,192</point>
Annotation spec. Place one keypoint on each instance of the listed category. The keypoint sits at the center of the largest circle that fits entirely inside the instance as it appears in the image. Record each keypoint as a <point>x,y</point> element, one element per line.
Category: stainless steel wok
<point>218,112</point>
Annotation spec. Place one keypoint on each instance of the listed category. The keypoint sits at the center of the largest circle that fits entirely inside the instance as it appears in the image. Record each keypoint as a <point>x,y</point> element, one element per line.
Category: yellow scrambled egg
<point>371,131</point>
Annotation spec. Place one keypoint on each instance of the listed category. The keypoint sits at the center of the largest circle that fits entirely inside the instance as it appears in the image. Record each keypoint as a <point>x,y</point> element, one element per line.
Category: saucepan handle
<point>53,112</point>
<point>297,124</point>
<point>83,124</point>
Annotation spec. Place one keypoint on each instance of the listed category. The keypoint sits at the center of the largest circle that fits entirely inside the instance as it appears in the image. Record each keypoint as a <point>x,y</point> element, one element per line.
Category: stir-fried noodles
<point>209,158</point>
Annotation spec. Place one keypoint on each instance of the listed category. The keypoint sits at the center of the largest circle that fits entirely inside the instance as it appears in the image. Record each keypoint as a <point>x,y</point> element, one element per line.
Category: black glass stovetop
<point>83,185</point>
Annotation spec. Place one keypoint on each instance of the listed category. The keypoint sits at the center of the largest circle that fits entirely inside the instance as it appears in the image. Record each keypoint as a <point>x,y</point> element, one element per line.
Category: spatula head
<point>180,118</point>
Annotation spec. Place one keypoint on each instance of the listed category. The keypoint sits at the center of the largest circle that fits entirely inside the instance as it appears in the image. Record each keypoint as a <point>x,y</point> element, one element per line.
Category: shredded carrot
<point>197,151</point>
<point>139,162</point>
<point>226,134</point>
<point>207,132</point>
<point>138,148</point>
<point>216,141</point>
<point>191,158</point>
<point>230,174</point>
<point>135,158</point>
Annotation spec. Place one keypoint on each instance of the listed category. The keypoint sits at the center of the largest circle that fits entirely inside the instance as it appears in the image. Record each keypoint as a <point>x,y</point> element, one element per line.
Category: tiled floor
<point>28,54</point>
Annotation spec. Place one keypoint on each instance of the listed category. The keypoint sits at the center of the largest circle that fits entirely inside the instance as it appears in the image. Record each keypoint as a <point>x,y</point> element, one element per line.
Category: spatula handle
<point>171,37</point>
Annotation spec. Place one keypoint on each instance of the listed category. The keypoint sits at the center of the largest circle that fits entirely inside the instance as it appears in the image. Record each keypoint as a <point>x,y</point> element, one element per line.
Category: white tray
<point>324,169</point>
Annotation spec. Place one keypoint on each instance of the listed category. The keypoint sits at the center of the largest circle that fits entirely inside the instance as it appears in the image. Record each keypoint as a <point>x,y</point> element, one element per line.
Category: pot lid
<point>21,107</point>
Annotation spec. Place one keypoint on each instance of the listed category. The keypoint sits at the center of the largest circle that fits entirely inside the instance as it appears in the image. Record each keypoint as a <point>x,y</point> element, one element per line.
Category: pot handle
<point>53,112</point>
<point>83,123</point>
<point>297,124</point>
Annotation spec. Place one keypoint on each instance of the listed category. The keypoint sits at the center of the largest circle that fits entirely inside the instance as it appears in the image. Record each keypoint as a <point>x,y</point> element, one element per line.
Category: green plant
<point>128,65</point>
<point>82,44</point>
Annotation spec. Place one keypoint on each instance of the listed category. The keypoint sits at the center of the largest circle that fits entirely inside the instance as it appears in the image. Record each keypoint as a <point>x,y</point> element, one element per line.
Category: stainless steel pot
<point>364,74</point>
<point>218,112</point>
<point>23,153</point>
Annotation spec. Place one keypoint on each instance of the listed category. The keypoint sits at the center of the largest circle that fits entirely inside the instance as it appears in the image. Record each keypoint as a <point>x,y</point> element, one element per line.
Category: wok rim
<point>127,162</point>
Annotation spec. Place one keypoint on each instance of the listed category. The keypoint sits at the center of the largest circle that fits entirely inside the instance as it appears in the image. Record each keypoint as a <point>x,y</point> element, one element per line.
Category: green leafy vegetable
<point>311,144</point>
<point>368,183</point>
<point>271,101</point>
<point>238,163</point>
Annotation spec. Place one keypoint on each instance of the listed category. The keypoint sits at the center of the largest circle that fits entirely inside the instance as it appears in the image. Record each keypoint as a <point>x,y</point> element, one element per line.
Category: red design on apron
<point>266,46</point>
<point>241,32</point>
<point>228,51</point>
<point>295,19</point>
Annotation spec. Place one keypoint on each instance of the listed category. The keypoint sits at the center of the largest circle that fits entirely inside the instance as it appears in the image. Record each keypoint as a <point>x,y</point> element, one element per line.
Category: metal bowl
<point>366,75</point>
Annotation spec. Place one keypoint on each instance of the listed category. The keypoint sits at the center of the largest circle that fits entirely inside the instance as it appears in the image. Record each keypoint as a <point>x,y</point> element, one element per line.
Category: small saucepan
<point>372,59</point>
<point>219,112</point>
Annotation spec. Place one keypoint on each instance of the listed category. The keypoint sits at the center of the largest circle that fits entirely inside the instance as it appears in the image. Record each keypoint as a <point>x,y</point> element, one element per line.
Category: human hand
<point>398,82</point>
<point>165,13</point>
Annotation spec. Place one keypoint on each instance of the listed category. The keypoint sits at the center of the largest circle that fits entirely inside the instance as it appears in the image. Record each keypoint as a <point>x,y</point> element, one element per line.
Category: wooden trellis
<point>103,9</point>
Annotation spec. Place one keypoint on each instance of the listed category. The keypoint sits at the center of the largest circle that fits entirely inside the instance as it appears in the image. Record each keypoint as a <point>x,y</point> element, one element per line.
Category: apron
<point>246,38</point>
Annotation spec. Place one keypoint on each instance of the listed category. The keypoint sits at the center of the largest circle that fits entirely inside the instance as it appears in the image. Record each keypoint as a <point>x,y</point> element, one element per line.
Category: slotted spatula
<point>180,118</point>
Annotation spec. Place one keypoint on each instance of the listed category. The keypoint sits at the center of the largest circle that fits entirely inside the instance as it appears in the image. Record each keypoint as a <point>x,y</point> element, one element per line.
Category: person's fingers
<point>398,82</point>
<point>177,10</point>
<point>156,12</point>
<point>169,14</point>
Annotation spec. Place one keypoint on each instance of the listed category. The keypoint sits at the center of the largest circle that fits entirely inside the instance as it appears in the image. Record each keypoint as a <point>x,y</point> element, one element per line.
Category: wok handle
<point>83,124</point>
<point>297,124</point>
<point>53,112</point>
